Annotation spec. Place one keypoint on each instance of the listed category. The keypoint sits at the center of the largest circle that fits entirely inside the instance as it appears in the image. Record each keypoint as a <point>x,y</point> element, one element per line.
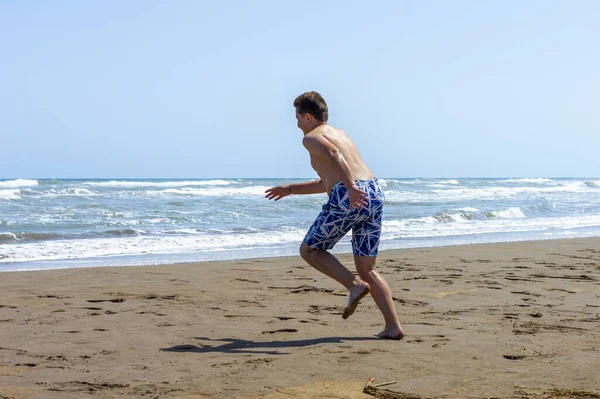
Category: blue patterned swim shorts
<point>336,219</point>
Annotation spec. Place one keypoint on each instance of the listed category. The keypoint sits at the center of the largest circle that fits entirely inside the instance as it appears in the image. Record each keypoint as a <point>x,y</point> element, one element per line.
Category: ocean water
<point>50,224</point>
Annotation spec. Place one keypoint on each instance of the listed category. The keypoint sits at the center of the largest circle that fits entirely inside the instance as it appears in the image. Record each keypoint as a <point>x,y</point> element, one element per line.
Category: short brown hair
<point>311,102</point>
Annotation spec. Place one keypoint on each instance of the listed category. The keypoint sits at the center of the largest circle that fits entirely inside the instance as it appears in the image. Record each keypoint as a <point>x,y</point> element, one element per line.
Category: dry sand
<point>511,320</point>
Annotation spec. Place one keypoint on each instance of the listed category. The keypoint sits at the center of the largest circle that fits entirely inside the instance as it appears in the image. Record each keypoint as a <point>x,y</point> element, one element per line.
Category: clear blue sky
<point>205,88</point>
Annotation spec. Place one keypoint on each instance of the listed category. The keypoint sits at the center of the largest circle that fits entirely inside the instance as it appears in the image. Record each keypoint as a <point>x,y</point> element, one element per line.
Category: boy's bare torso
<point>329,177</point>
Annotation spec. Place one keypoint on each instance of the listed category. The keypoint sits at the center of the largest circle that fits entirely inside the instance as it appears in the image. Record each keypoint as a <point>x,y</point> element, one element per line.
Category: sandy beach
<point>510,320</point>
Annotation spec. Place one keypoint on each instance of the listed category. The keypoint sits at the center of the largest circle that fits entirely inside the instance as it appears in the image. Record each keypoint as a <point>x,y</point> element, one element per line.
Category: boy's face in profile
<point>303,122</point>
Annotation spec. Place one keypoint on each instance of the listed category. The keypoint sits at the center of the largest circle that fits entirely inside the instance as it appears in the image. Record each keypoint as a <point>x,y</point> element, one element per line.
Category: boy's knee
<point>365,267</point>
<point>364,275</point>
<point>305,251</point>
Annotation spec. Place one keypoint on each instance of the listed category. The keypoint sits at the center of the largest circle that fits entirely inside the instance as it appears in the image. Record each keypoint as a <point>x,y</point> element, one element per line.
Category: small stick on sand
<point>383,384</point>
<point>384,393</point>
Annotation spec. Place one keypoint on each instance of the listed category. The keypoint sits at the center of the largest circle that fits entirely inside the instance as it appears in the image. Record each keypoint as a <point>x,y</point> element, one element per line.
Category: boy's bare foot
<point>357,293</point>
<point>391,333</point>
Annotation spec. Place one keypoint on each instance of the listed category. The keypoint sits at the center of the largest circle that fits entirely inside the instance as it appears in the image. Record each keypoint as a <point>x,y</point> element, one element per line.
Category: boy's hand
<point>358,198</point>
<point>278,192</point>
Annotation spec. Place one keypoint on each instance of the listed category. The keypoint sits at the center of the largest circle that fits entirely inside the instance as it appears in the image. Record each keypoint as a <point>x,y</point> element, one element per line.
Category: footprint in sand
<point>181,281</point>
<point>247,281</point>
<point>525,293</point>
<point>317,310</point>
<point>256,363</point>
<point>514,357</point>
<point>155,313</point>
<point>84,386</point>
<point>429,338</point>
<point>315,321</point>
<point>26,364</point>
<point>409,302</point>
<point>302,289</point>
<point>115,300</point>
<point>242,303</point>
<point>283,330</point>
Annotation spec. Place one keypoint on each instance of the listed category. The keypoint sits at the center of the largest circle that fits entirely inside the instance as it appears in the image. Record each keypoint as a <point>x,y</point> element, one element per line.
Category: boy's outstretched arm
<point>309,187</point>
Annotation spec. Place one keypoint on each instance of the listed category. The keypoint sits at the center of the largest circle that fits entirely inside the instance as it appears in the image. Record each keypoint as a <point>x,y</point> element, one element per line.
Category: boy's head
<point>312,103</point>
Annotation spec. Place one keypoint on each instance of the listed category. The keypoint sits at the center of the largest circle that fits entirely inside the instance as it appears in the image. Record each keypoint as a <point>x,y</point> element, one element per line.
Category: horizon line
<point>294,178</point>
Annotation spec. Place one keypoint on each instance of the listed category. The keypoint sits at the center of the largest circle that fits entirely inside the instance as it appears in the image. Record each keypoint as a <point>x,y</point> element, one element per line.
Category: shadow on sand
<point>233,345</point>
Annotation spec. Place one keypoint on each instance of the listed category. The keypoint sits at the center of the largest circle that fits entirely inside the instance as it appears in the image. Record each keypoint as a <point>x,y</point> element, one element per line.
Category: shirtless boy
<point>355,202</point>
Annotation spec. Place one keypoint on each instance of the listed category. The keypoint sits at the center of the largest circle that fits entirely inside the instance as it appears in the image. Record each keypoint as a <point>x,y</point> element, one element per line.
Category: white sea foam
<point>152,192</point>
<point>510,213</point>
<point>212,192</point>
<point>462,216</point>
<point>454,217</point>
<point>535,180</point>
<point>138,245</point>
<point>385,182</point>
<point>412,181</point>
<point>449,195</point>
<point>562,233</point>
<point>449,182</point>
<point>10,194</point>
<point>422,227</point>
<point>18,183</point>
<point>487,193</point>
<point>134,184</point>
<point>71,192</point>
<point>79,191</point>
<point>466,209</point>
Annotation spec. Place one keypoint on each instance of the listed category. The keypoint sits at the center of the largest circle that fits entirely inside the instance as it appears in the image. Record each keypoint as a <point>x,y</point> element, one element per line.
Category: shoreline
<point>347,250</point>
<point>165,221</point>
<point>517,318</point>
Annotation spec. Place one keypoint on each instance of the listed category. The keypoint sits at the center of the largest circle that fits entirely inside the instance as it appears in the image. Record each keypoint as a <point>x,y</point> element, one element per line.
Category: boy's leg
<point>329,227</point>
<point>329,265</point>
<point>334,221</point>
<point>365,266</point>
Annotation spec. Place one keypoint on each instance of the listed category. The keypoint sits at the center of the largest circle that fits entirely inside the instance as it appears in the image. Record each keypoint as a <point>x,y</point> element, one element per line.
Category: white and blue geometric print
<point>336,219</point>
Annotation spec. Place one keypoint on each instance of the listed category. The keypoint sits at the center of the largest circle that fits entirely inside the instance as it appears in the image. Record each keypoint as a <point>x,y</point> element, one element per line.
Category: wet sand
<point>510,320</point>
